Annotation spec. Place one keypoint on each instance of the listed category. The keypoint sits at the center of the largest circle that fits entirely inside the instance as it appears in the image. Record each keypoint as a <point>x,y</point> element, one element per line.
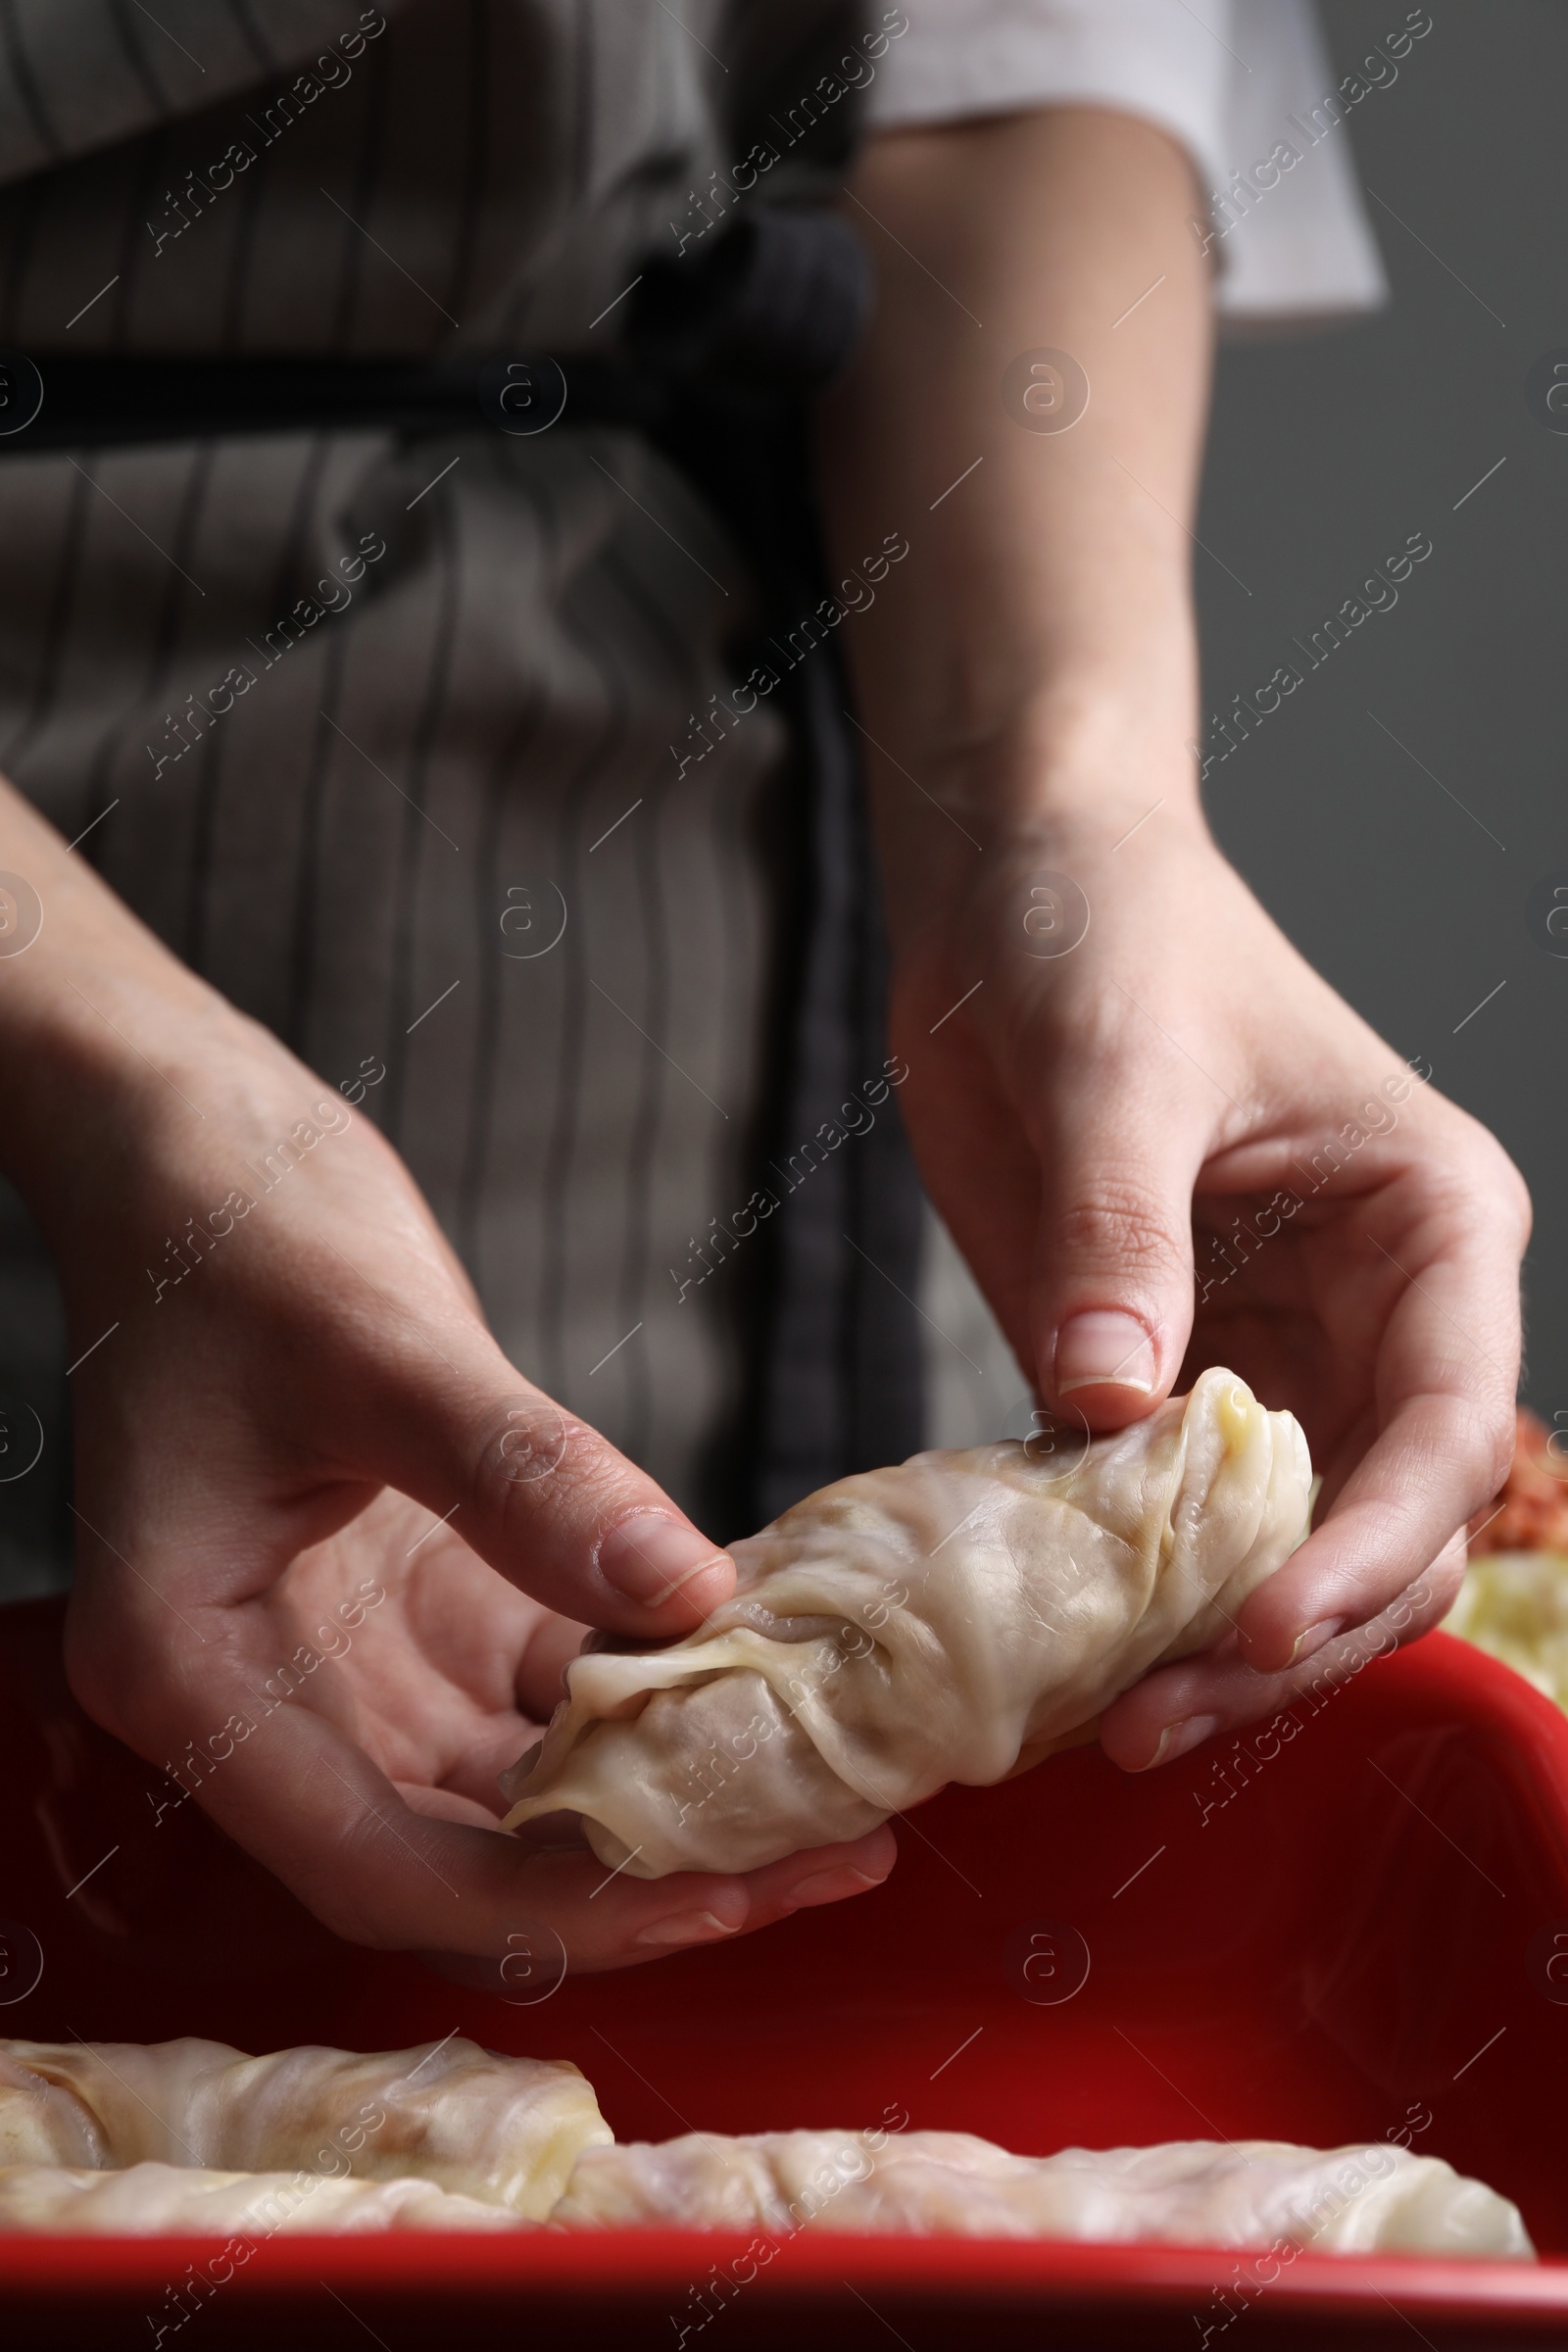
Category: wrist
<point>1087,762</point>
<point>1069,785</point>
<point>136,1092</point>
<point>1085,747</point>
<point>119,1060</point>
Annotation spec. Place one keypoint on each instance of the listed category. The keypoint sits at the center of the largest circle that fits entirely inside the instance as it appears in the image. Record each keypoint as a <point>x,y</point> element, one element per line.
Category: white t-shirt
<point>1245,86</point>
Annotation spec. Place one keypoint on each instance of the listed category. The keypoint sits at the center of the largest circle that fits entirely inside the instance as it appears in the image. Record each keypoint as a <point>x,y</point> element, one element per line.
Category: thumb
<point>536,1490</point>
<point>1112,1305</point>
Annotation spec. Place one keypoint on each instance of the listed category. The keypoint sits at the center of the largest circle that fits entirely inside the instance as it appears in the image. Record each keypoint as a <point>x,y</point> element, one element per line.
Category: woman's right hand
<point>334,1549</point>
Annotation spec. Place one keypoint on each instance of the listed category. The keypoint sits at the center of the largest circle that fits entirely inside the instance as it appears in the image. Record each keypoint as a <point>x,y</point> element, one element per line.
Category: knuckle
<point>1513,1194</point>
<point>91,1677</point>
<point>1492,1455</point>
<point>551,1486</point>
<point>118,1675</point>
<point>1476,1432</point>
<point>348,1897</point>
<point>340,1910</point>
<point>525,1447</point>
<point>1473,1435</point>
<point>1119,1221</point>
<point>1482,1184</point>
<point>1497,1196</point>
<point>1444,1576</point>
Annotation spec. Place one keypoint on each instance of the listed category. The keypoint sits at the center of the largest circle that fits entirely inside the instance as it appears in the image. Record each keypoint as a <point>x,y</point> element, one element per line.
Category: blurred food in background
<point>1514,1598</point>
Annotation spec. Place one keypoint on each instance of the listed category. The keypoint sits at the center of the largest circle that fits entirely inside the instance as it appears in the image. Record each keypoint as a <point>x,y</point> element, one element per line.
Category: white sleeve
<point>1244,85</point>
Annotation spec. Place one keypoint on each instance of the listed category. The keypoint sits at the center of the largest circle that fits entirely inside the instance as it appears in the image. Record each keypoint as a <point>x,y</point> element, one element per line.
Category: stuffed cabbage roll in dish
<point>166,2200</point>
<point>1352,2200</point>
<point>953,1619</point>
<point>507,2131</point>
<point>192,2139</point>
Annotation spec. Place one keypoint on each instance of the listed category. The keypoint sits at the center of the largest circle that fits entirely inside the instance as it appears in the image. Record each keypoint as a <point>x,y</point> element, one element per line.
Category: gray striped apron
<point>400,740</point>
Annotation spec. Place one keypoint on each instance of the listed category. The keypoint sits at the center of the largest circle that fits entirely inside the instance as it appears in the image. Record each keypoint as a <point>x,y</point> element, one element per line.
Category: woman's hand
<point>1163,1143</point>
<point>346,1722</point>
<point>1029,411</point>
<point>334,1549</point>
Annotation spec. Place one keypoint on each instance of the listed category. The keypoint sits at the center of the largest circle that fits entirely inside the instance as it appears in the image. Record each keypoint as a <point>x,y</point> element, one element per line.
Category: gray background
<point>1326,452</point>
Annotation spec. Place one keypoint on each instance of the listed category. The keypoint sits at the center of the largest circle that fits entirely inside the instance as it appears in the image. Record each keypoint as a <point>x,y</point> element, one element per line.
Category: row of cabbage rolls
<point>193,2139</point>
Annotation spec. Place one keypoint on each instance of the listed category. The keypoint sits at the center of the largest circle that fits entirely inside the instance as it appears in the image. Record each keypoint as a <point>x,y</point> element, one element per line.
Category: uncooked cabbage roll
<point>953,1619</point>
<point>504,2130</point>
<point>151,2200</point>
<point>1353,2200</point>
<point>42,2123</point>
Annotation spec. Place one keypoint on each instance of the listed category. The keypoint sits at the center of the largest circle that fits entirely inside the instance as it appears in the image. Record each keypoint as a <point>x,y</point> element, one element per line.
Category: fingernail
<point>686,1927</point>
<point>649,1556</point>
<point>829,1886</point>
<point>1104,1349</point>
<point>1312,1640</point>
<point>1177,1738</point>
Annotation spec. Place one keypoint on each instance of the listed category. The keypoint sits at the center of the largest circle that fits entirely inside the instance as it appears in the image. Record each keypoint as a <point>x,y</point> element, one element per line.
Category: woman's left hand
<point>1095,1110</point>
<point>1162,1141</point>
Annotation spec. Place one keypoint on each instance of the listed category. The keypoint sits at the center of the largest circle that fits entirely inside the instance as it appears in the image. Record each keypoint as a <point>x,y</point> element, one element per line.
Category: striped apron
<point>408,743</point>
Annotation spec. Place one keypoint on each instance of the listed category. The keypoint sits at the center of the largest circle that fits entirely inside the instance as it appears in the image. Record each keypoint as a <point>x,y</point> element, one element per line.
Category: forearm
<point>109,1042</point>
<point>1035,657</point>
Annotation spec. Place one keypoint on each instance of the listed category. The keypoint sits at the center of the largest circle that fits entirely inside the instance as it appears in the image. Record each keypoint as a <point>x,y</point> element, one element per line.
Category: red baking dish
<point>1356,1928</point>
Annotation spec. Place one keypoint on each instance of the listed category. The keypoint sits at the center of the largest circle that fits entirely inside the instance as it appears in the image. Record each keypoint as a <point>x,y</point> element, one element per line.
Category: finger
<point>635,1930</point>
<point>315,1811</point>
<point>1113,1305</point>
<point>538,1492</point>
<point>296,1793</point>
<point>1179,1707</point>
<point>713,1908</point>
<point>1446,1374</point>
